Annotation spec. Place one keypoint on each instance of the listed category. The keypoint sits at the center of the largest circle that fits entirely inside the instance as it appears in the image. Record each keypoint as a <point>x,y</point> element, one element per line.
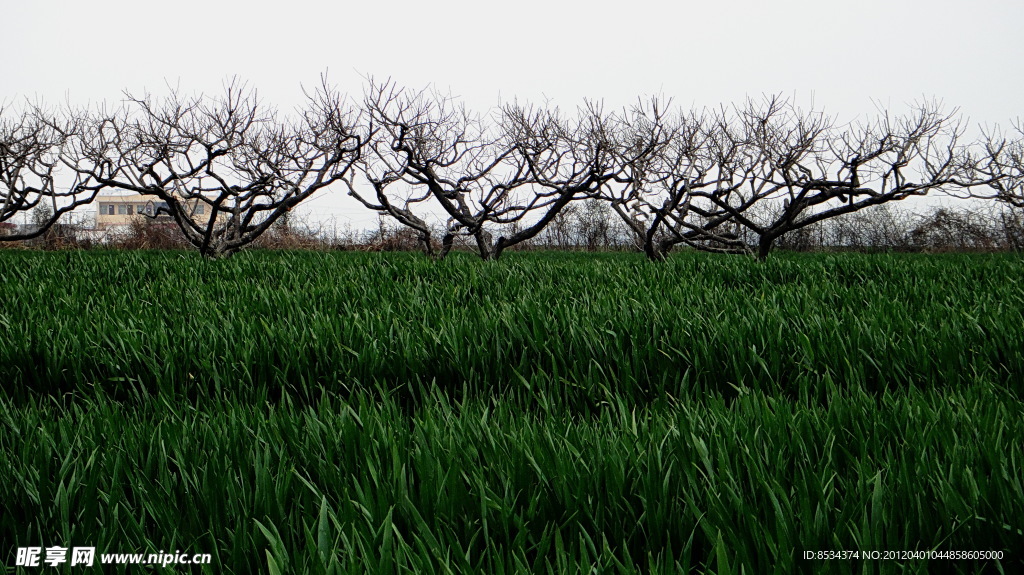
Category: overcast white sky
<point>845,55</point>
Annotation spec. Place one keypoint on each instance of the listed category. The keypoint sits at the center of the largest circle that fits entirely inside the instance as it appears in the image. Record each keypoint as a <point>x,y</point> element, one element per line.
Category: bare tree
<point>421,123</point>
<point>564,159</point>
<point>34,146</point>
<point>224,168</point>
<point>510,177</point>
<point>660,201</point>
<point>1000,167</point>
<point>798,168</point>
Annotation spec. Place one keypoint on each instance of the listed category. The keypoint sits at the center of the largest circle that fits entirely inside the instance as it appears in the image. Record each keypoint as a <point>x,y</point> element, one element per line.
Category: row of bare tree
<point>733,179</point>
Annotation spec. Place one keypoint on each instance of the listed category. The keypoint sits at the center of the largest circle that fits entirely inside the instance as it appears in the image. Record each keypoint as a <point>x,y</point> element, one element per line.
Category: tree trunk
<point>484,245</point>
<point>764,246</point>
<point>654,251</point>
<point>446,245</point>
<point>425,241</point>
<point>499,248</point>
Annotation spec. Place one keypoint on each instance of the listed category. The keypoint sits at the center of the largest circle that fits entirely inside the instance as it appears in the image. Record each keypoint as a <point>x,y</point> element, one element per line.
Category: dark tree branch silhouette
<point>225,168</point>
<point>509,177</point>
<point>34,145</point>
<point>796,168</point>
<point>1000,167</point>
<point>656,198</point>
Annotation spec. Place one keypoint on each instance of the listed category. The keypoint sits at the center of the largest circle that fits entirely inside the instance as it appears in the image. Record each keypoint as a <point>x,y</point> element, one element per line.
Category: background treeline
<point>744,178</point>
<point>589,226</point>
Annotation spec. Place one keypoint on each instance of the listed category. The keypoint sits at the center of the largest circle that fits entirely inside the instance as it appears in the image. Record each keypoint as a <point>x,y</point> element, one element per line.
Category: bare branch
<point>226,168</point>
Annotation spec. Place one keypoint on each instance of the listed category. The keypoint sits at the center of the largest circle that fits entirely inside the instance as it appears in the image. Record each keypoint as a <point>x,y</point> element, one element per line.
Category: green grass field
<point>550,413</point>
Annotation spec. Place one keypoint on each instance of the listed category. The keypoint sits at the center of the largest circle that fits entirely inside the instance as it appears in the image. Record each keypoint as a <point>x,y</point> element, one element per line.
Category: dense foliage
<point>354,412</point>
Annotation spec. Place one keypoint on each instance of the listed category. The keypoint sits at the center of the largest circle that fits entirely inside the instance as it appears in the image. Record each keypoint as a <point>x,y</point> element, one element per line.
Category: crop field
<point>547,413</point>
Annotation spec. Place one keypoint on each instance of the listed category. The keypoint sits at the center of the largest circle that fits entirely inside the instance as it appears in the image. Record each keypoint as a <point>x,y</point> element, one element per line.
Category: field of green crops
<point>548,413</point>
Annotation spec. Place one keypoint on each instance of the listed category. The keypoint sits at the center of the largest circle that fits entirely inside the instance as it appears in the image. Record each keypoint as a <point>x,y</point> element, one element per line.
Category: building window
<point>109,209</point>
<point>131,209</point>
<point>200,209</point>
<point>122,209</point>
